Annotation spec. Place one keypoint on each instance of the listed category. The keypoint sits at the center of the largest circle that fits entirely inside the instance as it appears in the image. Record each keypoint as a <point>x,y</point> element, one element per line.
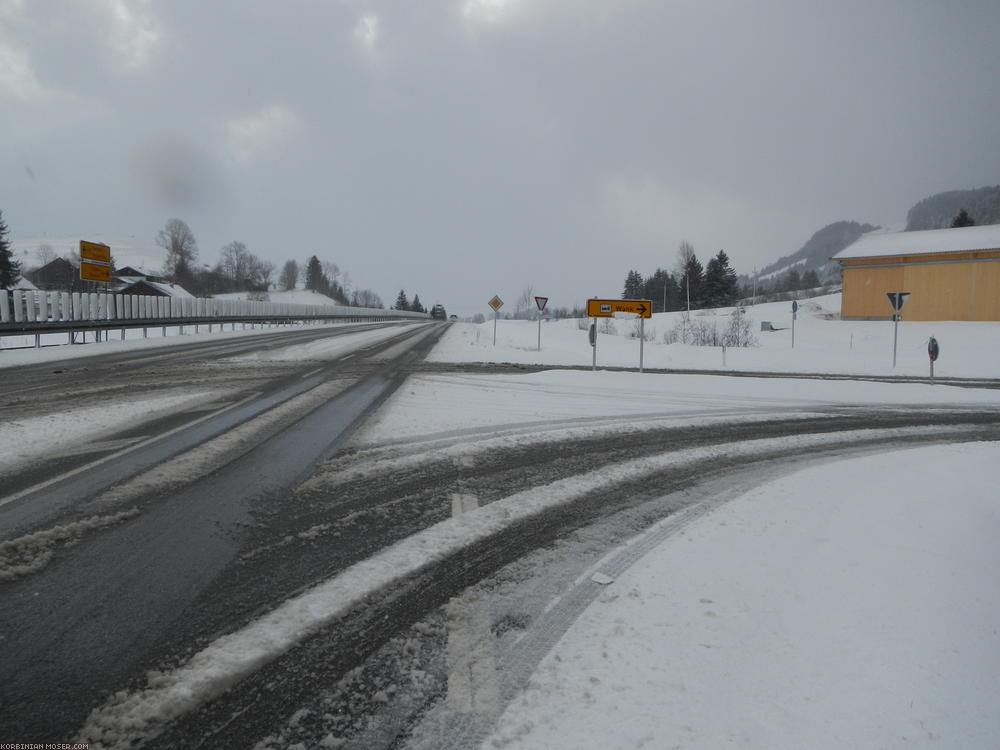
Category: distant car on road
<point>438,312</point>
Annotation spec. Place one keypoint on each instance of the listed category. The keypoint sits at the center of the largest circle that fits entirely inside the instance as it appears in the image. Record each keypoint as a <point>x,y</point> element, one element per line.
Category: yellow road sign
<point>606,308</point>
<point>95,251</point>
<point>496,303</point>
<point>95,272</point>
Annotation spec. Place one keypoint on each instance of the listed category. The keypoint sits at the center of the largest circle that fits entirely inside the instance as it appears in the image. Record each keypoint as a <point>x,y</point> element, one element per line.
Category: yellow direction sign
<point>95,251</point>
<point>606,308</point>
<point>496,303</point>
<point>94,272</point>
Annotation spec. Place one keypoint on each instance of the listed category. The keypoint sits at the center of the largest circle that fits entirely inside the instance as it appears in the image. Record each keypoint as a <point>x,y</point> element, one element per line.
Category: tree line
<point>403,303</point>
<point>239,270</point>
<point>690,286</point>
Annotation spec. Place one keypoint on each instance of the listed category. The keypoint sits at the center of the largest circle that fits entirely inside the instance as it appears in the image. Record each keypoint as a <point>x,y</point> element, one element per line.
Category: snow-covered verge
<point>430,404</point>
<point>130,718</point>
<point>851,604</point>
<point>823,344</point>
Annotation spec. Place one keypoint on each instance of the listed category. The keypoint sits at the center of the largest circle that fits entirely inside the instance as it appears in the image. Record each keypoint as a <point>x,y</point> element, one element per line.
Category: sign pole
<point>895,337</point>
<point>496,303</point>
<point>897,300</point>
<point>594,345</point>
<point>642,339</point>
<point>795,313</point>
<point>540,303</point>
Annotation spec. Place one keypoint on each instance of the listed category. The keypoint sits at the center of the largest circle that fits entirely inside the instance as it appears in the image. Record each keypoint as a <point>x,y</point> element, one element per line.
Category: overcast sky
<point>461,148</point>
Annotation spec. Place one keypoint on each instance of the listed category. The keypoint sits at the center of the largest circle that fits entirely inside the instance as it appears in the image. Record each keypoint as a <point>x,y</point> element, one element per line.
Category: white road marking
<point>311,373</point>
<point>93,464</point>
<point>100,445</point>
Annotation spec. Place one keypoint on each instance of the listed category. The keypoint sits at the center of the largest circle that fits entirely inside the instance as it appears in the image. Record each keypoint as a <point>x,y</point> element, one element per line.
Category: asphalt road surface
<point>144,573</point>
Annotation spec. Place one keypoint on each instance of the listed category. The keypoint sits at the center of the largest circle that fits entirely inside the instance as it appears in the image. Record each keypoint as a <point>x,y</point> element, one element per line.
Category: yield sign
<point>541,302</point>
<point>897,299</point>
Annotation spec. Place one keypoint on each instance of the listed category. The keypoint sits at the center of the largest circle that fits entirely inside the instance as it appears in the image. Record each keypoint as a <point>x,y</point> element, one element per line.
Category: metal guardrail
<point>36,313</point>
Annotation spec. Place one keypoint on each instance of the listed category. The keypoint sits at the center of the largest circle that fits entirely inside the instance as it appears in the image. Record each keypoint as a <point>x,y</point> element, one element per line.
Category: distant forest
<point>939,211</point>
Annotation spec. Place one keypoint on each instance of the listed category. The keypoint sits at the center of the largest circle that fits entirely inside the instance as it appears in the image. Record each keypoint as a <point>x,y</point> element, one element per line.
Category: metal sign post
<point>610,308</point>
<point>496,303</point>
<point>897,300</point>
<point>592,333</point>
<point>795,311</point>
<point>642,339</point>
<point>541,302</point>
<point>932,353</point>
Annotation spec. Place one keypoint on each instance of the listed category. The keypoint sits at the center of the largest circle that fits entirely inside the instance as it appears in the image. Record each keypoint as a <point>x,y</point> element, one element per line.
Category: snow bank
<point>848,605</point>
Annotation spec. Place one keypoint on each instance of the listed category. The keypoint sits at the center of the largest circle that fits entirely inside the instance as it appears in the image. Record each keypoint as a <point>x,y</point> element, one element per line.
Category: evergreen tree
<point>633,286</point>
<point>810,279</point>
<point>315,280</point>
<point>692,278</point>
<point>416,306</point>
<point>791,281</point>
<point>720,288</point>
<point>963,220</point>
<point>662,290</point>
<point>402,303</point>
<point>10,269</point>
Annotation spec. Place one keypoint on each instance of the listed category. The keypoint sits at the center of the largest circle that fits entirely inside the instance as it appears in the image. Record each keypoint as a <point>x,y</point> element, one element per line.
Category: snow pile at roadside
<point>848,605</point>
<point>130,718</point>
<point>823,344</point>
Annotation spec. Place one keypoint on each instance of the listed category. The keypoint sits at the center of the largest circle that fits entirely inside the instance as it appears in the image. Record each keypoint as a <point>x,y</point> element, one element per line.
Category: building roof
<point>961,239</point>
<point>167,290</point>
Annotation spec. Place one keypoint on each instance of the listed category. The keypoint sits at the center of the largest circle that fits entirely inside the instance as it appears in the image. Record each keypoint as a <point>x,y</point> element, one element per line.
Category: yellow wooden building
<point>951,274</point>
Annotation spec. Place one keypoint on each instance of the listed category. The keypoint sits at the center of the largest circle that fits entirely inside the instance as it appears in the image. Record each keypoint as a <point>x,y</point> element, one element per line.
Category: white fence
<point>20,309</point>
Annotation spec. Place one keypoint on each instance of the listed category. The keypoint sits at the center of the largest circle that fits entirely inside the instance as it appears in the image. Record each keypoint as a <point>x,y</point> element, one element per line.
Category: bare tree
<point>45,254</point>
<point>522,308</point>
<point>365,298</point>
<point>235,263</point>
<point>289,275</point>
<point>179,242</point>
<point>244,270</point>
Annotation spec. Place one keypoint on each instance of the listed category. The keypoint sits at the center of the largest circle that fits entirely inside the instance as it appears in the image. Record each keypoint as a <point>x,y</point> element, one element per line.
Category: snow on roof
<point>295,296</point>
<point>23,284</point>
<point>875,244</point>
<point>171,290</point>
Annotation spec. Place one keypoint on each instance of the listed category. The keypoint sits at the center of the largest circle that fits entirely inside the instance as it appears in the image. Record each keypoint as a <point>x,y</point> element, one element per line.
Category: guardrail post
<point>18,306</point>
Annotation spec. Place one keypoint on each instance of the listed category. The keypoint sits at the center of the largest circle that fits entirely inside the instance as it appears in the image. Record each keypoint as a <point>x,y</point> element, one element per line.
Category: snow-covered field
<point>850,605</point>
<point>822,343</point>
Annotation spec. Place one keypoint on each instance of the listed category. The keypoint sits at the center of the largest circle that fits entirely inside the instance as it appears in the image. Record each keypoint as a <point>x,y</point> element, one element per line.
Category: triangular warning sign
<point>897,299</point>
<point>541,302</point>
